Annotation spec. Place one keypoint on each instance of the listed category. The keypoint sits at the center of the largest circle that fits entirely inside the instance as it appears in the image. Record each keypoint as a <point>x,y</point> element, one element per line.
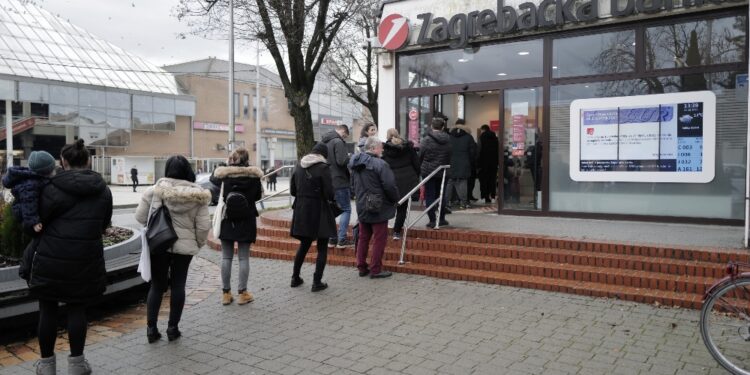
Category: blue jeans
<point>431,193</point>
<point>343,199</point>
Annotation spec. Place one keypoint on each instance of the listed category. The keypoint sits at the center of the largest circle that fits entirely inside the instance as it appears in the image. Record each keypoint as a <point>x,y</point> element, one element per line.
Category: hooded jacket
<point>245,180</point>
<point>489,155</point>
<point>372,175</point>
<point>26,187</point>
<point>463,153</point>
<point>435,151</point>
<point>311,186</point>
<point>68,265</point>
<point>188,205</point>
<point>404,162</point>
<point>338,159</point>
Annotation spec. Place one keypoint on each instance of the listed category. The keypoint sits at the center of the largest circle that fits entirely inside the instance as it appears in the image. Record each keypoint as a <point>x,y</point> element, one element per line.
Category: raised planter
<point>121,261</point>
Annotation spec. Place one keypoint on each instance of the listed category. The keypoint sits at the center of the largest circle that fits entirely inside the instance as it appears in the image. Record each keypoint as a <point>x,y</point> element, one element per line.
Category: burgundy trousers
<point>379,234</point>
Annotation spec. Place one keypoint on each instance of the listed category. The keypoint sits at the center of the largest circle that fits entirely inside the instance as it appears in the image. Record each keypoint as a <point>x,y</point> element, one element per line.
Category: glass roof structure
<point>34,43</point>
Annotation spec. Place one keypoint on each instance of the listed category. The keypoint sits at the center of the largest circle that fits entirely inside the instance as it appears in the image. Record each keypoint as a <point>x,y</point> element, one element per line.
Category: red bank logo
<point>590,131</point>
<point>393,32</point>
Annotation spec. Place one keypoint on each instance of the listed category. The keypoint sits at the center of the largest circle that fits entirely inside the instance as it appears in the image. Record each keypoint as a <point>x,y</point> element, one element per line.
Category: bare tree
<point>297,33</point>
<point>353,61</point>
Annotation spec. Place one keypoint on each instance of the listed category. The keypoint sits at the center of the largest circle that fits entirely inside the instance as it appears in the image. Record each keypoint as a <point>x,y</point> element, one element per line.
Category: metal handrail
<point>276,171</point>
<point>267,197</point>
<point>407,198</point>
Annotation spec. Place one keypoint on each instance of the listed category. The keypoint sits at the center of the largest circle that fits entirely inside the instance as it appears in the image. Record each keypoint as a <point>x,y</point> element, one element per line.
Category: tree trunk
<point>373,107</point>
<point>303,126</point>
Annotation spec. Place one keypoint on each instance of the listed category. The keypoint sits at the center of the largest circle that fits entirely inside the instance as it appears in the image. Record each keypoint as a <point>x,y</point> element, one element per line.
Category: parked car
<point>204,180</point>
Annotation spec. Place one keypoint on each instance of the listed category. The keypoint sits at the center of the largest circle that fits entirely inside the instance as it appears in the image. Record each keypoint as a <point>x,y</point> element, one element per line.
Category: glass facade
<point>697,53</point>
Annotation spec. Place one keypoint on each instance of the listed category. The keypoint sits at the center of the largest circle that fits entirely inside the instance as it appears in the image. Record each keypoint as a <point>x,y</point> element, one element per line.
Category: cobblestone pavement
<point>411,325</point>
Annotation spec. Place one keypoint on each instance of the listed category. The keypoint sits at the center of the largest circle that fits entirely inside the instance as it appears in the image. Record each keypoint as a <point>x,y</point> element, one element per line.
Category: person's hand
<point>38,227</point>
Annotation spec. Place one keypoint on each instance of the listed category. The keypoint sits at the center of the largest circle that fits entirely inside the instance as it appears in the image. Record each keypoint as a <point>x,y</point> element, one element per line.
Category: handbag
<point>27,260</point>
<point>160,232</point>
<point>219,213</point>
<point>335,209</point>
<point>144,263</point>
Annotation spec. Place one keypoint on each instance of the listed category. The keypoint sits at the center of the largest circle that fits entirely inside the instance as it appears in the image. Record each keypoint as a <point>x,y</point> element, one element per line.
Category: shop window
<point>236,105</point>
<point>698,43</point>
<point>721,198</point>
<point>594,54</point>
<point>494,62</point>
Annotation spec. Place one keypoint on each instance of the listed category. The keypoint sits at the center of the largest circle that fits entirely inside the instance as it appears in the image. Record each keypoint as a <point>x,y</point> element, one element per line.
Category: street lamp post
<point>231,76</point>
<point>257,107</point>
<point>9,132</point>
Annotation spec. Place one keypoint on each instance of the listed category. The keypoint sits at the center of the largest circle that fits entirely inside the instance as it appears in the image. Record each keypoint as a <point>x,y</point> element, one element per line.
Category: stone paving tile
<point>404,325</point>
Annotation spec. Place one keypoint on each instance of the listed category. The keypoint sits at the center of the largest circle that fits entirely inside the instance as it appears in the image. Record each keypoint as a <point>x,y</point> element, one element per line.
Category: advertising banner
<point>218,127</point>
<point>648,138</point>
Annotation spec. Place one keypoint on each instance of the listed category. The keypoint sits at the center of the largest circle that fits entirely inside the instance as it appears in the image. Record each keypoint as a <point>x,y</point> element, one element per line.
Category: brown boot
<point>226,298</point>
<point>244,298</point>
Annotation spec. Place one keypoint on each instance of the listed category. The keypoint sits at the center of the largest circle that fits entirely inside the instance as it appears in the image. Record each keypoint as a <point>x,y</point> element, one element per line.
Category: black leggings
<point>47,329</point>
<point>320,262</point>
<point>400,217</point>
<point>167,270</point>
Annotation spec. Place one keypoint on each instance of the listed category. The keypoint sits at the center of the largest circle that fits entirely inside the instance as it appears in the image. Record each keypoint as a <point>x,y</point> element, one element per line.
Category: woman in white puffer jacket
<point>188,205</point>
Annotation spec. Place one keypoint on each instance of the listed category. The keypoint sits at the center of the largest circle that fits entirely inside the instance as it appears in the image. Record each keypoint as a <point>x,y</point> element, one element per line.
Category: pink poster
<point>414,132</point>
<point>519,134</point>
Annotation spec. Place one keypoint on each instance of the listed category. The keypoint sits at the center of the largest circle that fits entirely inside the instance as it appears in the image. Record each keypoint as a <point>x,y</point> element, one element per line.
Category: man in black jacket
<point>435,151</point>
<point>134,177</point>
<point>338,159</point>
<point>488,163</point>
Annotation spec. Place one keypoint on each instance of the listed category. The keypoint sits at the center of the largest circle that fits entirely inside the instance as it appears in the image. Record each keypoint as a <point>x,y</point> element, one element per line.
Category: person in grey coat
<point>377,194</point>
<point>338,159</point>
<point>463,157</point>
<point>312,218</point>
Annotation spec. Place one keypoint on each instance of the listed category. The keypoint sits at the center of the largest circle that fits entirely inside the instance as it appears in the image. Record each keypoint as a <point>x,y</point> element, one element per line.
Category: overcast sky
<point>147,28</point>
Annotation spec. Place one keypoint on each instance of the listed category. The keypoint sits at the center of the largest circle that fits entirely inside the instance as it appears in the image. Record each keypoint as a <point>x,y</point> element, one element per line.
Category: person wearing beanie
<point>26,184</point>
<point>313,216</point>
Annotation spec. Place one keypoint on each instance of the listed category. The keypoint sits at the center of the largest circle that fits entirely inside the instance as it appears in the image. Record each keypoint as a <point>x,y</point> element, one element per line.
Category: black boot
<point>318,285</point>
<point>296,281</point>
<point>152,334</point>
<point>173,333</point>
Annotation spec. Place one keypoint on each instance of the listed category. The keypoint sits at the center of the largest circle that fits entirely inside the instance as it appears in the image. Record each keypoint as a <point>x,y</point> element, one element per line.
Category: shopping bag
<point>219,213</point>
<point>144,264</point>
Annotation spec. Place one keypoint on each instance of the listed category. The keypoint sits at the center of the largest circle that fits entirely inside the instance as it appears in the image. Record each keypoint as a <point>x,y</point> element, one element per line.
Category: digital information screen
<point>647,138</point>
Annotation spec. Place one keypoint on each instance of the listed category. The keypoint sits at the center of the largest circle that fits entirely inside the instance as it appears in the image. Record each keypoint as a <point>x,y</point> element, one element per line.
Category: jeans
<point>167,269</point>
<point>431,193</point>
<point>320,262</point>
<point>243,255</point>
<point>379,234</point>
<point>400,217</point>
<point>343,198</point>
<point>47,328</point>
<point>460,185</point>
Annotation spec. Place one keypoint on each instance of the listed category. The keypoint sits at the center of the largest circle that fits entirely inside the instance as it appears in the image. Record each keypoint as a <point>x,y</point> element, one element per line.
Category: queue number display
<point>647,138</point>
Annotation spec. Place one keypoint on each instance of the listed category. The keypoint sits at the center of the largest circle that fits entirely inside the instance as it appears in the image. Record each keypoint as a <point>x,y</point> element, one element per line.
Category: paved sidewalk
<point>408,325</point>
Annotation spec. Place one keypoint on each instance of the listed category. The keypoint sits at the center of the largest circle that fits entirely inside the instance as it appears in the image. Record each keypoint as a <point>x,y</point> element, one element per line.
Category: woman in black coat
<point>68,266</point>
<point>242,188</point>
<point>312,219</point>
<point>404,162</point>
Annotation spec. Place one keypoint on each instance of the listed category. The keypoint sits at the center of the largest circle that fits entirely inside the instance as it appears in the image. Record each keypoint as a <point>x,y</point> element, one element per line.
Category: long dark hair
<point>179,168</point>
<point>365,129</point>
<point>75,154</point>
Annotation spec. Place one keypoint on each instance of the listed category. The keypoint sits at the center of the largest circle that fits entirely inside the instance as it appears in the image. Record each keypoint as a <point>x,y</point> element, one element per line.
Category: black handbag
<point>24,269</point>
<point>160,232</point>
<point>335,209</point>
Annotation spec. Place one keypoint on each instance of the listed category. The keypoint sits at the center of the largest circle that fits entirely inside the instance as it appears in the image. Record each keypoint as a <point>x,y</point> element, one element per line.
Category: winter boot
<point>46,366</point>
<point>78,366</point>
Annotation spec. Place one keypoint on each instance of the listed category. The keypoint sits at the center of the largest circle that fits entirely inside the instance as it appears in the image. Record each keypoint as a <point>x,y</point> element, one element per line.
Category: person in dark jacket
<point>338,159</point>
<point>463,157</point>
<point>404,162</point>
<point>312,218</point>
<point>488,163</point>
<point>435,151</point>
<point>239,225</point>
<point>377,194</point>
<point>68,265</point>
<point>26,186</point>
<point>134,177</point>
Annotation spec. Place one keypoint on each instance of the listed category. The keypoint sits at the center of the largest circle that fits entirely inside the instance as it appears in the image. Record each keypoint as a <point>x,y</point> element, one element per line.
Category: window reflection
<point>474,64</point>
<point>705,42</point>
<point>594,54</point>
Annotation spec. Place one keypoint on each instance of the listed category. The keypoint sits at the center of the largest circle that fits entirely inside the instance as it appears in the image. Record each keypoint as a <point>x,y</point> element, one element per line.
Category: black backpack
<point>237,206</point>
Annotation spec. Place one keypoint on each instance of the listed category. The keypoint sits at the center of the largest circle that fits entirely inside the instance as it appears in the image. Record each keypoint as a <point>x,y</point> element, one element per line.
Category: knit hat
<point>41,162</point>
<point>320,149</point>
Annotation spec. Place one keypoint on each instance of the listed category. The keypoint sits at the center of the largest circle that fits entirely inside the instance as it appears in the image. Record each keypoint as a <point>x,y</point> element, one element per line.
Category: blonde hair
<point>394,137</point>
<point>239,157</point>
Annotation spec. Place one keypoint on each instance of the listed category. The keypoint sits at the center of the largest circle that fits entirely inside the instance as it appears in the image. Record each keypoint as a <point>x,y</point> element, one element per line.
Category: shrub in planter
<point>12,238</point>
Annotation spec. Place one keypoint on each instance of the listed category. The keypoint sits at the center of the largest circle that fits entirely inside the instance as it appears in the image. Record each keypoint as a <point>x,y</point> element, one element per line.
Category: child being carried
<point>26,186</point>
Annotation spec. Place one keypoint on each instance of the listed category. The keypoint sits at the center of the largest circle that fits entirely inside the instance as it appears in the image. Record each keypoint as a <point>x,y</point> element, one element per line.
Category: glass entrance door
<point>415,113</point>
<point>522,149</point>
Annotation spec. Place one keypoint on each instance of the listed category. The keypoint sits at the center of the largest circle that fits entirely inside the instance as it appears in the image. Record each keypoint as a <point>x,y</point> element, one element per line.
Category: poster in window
<point>647,138</point>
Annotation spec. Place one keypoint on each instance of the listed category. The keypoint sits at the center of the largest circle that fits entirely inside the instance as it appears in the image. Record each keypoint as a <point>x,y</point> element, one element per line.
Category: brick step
<point>641,295</point>
<point>719,256</point>
<point>574,257</point>
<point>596,274</point>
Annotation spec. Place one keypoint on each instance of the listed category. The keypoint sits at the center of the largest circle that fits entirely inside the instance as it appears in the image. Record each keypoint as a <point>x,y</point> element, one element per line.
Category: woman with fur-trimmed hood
<point>188,206</point>
<point>312,189</point>
<point>242,188</point>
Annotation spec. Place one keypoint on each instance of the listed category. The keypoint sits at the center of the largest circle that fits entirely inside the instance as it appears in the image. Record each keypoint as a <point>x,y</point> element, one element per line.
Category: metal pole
<point>9,132</point>
<point>406,231</point>
<point>440,204</point>
<point>231,75</point>
<point>747,178</point>
<point>257,108</point>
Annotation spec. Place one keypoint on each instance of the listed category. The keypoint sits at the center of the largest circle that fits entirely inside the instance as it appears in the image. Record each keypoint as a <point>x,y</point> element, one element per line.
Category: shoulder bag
<point>160,232</point>
<point>219,213</point>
